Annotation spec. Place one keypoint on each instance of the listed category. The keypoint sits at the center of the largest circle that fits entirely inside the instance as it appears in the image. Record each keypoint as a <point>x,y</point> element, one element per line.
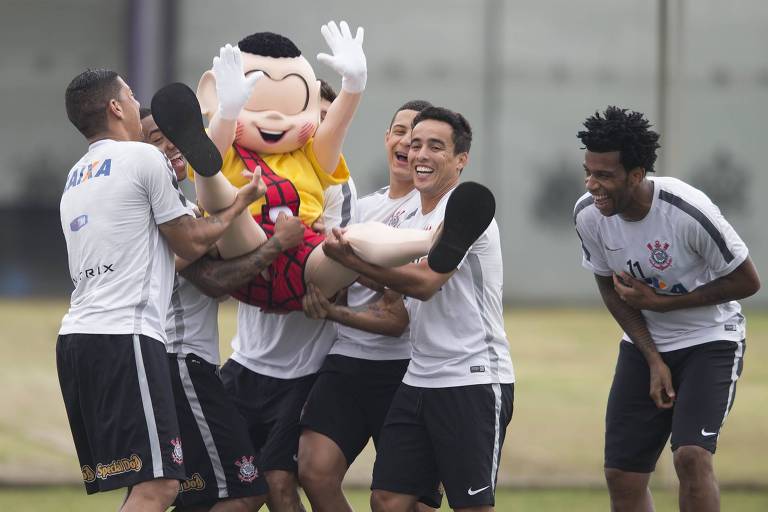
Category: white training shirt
<point>192,325</point>
<point>289,346</point>
<point>360,344</point>
<point>682,243</point>
<point>458,335</point>
<point>122,268</point>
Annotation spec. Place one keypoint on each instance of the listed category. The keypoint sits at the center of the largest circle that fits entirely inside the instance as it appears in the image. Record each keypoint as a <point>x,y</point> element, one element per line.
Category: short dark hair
<point>87,97</point>
<point>326,91</point>
<point>462,132</point>
<point>144,112</point>
<point>625,131</point>
<point>269,44</point>
<point>417,105</point>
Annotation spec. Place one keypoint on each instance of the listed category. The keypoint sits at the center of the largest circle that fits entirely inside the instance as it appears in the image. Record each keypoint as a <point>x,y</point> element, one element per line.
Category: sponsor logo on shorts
<point>196,483</point>
<point>88,474</point>
<point>177,455</point>
<point>118,467</point>
<point>248,472</point>
<point>707,434</point>
<point>472,491</point>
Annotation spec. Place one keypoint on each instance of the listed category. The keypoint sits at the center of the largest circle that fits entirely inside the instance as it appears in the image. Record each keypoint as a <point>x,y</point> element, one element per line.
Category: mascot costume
<point>262,100</point>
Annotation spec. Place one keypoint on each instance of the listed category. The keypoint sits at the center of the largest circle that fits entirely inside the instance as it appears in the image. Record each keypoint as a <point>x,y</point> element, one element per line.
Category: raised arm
<point>632,321</point>
<point>386,316</point>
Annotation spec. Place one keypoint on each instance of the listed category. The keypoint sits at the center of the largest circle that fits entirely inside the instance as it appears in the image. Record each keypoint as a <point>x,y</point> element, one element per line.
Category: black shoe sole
<point>177,113</point>
<point>469,211</point>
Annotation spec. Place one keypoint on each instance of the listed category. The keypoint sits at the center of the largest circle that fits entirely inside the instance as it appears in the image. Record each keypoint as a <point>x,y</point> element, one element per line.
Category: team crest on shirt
<point>660,258</point>
<point>248,472</point>
<point>177,455</point>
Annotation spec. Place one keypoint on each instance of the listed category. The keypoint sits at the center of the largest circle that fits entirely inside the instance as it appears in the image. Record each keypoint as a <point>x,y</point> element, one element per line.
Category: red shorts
<point>286,288</point>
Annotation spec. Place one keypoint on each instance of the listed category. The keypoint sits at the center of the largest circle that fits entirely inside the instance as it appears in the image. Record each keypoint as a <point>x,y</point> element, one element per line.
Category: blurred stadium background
<point>524,72</point>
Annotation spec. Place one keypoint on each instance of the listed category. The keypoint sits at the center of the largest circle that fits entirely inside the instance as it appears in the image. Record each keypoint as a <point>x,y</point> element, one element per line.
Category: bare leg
<point>322,467</point>
<point>151,496</point>
<point>373,242</point>
<point>629,491</point>
<point>698,487</point>
<point>385,501</point>
<point>283,492</point>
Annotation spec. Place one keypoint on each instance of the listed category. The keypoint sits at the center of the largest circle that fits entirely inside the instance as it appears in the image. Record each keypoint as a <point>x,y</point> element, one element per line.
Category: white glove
<point>232,86</point>
<point>348,58</point>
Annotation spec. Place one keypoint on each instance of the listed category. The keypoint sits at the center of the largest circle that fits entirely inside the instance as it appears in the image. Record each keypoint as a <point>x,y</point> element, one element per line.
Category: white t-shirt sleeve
<point>157,177</point>
<point>715,240</point>
<point>592,256</point>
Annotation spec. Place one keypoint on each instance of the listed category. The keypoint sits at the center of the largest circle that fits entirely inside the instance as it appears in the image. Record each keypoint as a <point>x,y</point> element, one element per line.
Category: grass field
<point>563,360</point>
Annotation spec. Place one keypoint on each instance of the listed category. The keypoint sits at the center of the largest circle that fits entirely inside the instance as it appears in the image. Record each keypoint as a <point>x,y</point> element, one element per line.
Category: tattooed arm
<point>633,323</point>
<point>217,278</point>
<point>386,316</point>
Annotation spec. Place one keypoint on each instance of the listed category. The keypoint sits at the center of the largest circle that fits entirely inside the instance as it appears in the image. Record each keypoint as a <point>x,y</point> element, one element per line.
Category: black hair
<point>269,44</point>
<point>625,131</point>
<point>462,132</point>
<point>87,97</point>
<point>417,105</point>
<point>144,112</point>
<point>326,91</point>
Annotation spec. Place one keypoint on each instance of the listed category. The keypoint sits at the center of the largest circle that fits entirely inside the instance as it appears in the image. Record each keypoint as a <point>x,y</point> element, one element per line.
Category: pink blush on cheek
<point>240,128</point>
<point>306,132</point>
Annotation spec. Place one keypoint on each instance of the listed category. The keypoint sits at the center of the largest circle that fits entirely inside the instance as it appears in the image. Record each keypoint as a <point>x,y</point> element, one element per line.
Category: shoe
<point>469,211</point>
<point>177,113</point>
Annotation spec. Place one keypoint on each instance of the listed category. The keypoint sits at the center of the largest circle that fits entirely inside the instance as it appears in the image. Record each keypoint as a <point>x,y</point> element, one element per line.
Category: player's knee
<point>162,490</point>
<point>247,504</point>
<point>692,462</point>
<point>382,501</point>
<point>316,476</point>
<point>623,484</point>
<point>283,487</point>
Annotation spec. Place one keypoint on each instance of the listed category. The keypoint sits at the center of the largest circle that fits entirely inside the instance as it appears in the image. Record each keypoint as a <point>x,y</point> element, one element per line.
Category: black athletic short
<point>450,435</point>
<point>704,378</point>
<point>271,408</point>
<point>218,453</point>
<point>117,393</point>
<point>350,400</point>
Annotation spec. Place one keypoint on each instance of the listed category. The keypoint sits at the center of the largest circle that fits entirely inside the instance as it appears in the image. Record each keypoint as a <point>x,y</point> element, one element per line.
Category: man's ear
<point>463,161</point>
<point>206,94</point>
<point>637,174</point>
<point>114,108</point>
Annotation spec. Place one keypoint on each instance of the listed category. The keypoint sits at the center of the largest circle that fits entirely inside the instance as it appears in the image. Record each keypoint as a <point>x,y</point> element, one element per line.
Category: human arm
<point>740,283</point>
<point>386,316</point>
<point>632,321</point>
<point>190,238</point>
<point>215,277</point>
<point>415,280</point>
<point>348,60</point>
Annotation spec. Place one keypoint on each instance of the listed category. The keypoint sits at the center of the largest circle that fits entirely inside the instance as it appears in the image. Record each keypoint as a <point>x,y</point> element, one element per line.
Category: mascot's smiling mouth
<point>270,136</point>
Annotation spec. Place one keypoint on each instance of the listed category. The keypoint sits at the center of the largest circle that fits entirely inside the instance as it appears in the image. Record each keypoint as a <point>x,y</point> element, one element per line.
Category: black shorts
<point>218,453</point>
<point>271,408</point>
<point>117,393</point>
<point>350,400</point>
<point>704,378</point>
<point>450,435</point>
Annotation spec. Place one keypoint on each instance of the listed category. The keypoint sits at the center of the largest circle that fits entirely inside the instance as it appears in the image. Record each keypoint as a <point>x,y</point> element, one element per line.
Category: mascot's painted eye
<point>289,96</point>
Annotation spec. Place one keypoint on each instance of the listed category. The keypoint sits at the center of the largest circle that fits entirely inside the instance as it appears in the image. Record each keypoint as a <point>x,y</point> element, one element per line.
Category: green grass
<point>67,499</point>
<point>564,360</point>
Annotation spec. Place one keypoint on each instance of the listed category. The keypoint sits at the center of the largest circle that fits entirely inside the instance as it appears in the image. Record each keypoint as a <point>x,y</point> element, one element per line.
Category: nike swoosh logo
<point>707,434</point>
<point>473,492</point>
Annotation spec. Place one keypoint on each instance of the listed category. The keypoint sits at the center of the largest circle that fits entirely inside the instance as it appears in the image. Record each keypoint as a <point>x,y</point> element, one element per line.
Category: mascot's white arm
<point>233,90</point>
<point>348,60</point>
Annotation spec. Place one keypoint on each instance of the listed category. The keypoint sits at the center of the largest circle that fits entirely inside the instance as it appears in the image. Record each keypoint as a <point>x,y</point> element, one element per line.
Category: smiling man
<point>669,268</point>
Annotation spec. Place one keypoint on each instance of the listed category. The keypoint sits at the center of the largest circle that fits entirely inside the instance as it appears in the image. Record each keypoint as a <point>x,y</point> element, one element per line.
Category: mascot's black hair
<point>269,44</point>
<point>625,131</point>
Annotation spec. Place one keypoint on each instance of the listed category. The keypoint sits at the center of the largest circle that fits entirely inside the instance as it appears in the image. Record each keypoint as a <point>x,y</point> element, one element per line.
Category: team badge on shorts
<point>88,474</point>
<point>177,455</point>
<point>248,472</point>
<point>660,258</point>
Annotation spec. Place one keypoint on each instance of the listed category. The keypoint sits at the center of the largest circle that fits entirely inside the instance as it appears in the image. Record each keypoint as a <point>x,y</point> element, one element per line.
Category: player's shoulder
<point>584,207</point>
<point>680,196</point>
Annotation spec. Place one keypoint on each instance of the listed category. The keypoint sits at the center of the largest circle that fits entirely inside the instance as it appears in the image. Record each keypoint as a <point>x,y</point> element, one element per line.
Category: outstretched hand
<point>254,189</point>
<point>233,88</point>
<point>348,58</point>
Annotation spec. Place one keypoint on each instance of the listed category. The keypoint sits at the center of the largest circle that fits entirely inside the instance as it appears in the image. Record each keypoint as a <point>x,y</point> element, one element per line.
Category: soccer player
<point>123,217</point>
<point>669,268</point>
<point>448,418</point>
<point>219,456</point>
<point>354,389</point>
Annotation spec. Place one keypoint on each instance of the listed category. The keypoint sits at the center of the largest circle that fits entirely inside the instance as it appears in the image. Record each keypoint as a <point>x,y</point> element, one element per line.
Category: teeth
<point>421,168</point>
<point>270,132</point>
